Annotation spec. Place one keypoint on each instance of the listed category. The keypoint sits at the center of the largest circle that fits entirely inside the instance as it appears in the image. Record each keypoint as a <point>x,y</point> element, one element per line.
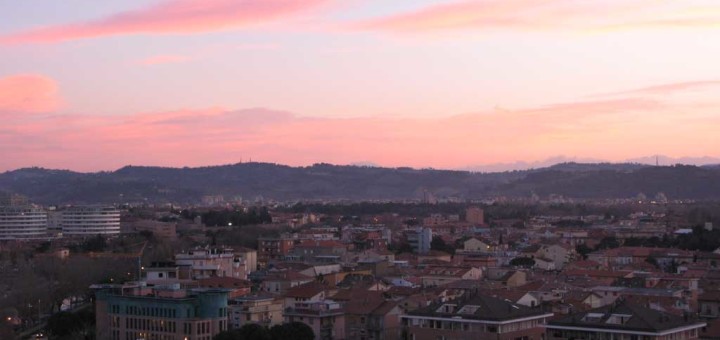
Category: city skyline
<point>94,86</point>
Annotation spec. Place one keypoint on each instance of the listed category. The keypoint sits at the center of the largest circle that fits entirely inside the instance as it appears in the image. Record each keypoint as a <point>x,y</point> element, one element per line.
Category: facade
<point>553,256</point>
<point>475,215</point>
<point>624,321</point>
<point>326,318</point>
<point>272,249</point>
<point>205,263</point>
<point>249,256</point>
<point>263,310</point>
<point>90,221</point>
<point>132,312</point>
<point>372,318</point>
<point>420,239</point>
<point>475,317</point>
<point>22,222</point>
<point>709,304</point>
<point>54,224</point>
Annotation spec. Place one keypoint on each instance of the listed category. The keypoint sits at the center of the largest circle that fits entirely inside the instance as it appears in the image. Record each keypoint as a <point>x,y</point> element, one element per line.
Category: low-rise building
<point>326,318</point>
<point>90,220</point>
<point>23,223</point>
<point>475,317</point>
<point>257,309</point>
<point>273,248</point>
<point>205,263</point>
<point>135,311</point>
<point>624,321</point>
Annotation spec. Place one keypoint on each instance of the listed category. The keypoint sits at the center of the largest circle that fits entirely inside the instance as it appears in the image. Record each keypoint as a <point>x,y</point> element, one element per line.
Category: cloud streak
<point>165,59</point>
<point>542,15</point>
<point>170,17</point>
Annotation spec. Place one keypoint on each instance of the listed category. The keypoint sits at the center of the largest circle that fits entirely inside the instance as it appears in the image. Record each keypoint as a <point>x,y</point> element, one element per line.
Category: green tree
<point>653,261</point>
<point>608,242</point>
<point>64,323</point>
<point>292,330</point>
<point>522,262</point>
<point>254,332</point>
<point>95,244</point>
<point>438,243</point>
<point>583,250</point>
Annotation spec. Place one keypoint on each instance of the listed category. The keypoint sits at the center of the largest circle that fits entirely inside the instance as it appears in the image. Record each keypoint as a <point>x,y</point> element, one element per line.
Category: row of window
<point>152,328</point>
<point>146,311</point>
<point>150,325</point>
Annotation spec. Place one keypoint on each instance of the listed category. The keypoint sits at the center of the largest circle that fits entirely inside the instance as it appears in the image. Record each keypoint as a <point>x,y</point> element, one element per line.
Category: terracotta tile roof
<point>480,307</point>
<point>224,282</point>
<point>596,273</point>
<point>306,290</point>
<point>641,319</point>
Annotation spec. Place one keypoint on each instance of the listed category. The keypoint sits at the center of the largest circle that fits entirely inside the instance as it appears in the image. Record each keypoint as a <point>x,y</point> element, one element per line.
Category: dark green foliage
<point>522,262</point>
<point>236,217</point>
<point>43,247</point>
<point>147,234</point>
<point>583,250</point>
<point>94,244</point>
<point>570,224</point>
<point>293,330</point>
<point>699,239</point>
<point>411,222</point>
<point>373,208</point>
<point>246,236</point>
<point>400,247</point>
<point>608,242</point>
<point>64,323</point>
<point>653,261</point>
<point>438,243</point>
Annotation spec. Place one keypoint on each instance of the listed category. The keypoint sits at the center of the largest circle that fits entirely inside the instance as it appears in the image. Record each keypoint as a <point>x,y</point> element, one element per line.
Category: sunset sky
<point>95,85</point>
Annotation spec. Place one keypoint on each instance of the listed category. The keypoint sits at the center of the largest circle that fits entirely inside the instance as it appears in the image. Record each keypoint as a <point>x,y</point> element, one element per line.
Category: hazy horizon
<point>491,167</point>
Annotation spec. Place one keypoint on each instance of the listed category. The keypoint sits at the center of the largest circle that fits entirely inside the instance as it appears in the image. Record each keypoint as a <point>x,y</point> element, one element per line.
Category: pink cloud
<point>170,17</point>
<point>28,93</point>
<point>613,129</point>
<point>671,88</point>
<point>215,136</point>
<point>165,59</point>
<point>541,15</point>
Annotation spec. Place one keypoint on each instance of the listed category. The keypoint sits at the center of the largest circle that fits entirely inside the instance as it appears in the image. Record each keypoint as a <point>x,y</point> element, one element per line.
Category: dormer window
<point>447,308</point>
<point>593,317</point>
<point>468,309</point>
<point>618,319</point>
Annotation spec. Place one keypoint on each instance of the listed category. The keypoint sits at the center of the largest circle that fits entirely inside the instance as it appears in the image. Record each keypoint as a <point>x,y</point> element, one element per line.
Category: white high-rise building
<point>90,220</point>
<point>420,239</point>
<point>22,222</point>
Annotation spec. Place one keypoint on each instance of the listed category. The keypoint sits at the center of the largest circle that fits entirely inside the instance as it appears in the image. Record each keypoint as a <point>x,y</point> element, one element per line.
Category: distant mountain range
<point>649,160</point>
<point>334,182</point>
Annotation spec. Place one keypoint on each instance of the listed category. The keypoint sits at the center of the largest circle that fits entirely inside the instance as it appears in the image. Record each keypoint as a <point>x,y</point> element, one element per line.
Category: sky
<point>93,85</point>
